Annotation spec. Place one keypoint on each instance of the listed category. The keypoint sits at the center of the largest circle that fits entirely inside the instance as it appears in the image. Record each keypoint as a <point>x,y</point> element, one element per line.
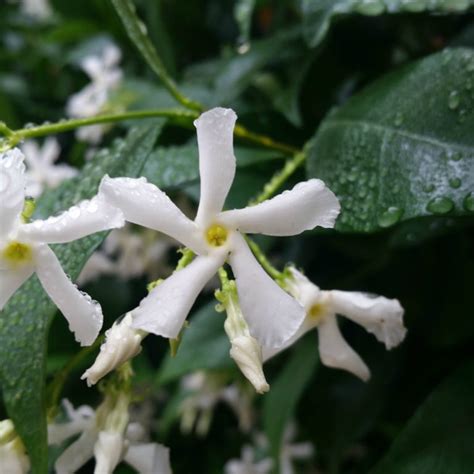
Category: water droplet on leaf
<point>440,205</point>
<point>454,100</point>
<point>390,217</point>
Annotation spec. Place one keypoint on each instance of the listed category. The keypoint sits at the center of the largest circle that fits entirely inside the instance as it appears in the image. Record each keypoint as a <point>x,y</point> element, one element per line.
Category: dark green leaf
<point>25,320</point>
<point>319,14</point>
<point>404,147</point>
<point>281,401</point>
<point>204,346</point>
<point>439,439</point>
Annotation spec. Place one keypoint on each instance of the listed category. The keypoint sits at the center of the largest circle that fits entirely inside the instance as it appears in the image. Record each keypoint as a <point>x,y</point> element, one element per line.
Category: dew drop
<point>370,7</point>
<point>390,217</point>
<point>440,205</point>
<point>455,183</point>
<point>454,100</point>
<point>398,119</point>
<point>468,202</point>
<point>428,187</point>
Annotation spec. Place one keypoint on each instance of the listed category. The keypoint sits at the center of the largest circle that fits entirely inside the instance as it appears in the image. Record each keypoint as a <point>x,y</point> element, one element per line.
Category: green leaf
<point>170,167</point>
<point>25,321</point>
<point>137,32</point>
<point>402,148</point>
<point>281,401</point>
<point>204,345</point>
<point>440,436</point>
<point>319,14</point>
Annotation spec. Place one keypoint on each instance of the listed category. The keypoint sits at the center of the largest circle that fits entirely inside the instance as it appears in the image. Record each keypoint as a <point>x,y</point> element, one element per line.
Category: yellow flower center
<point>17,253</point>
<point>316,312</point>
<point>216,235</point>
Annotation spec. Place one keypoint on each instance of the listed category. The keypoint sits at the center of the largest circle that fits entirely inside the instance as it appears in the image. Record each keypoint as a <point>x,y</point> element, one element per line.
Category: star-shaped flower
<point>109,445</point>
<point>105,76</point>
<point>381,316</point>
<point>24,249</point>
<point>272,315</point>
<point>42,171</point>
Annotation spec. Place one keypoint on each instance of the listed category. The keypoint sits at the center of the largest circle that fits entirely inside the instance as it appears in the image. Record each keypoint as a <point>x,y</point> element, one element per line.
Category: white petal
<point>215,130</point>
<point>12,189</point>
<point>86,218</point>
<point>307,205</point>
<point>144,204</point>
<point>76,455</point>
<point>272,315</point>
<point>381,316</point>
<point>111,55</point>
<point>164,310</point>
<point>82,313</point>
<point>122,342</point>
<point>336,352</point>
<point>11,280</point>
<point>108,451</point>
<point>149,458</point>
<point>13,460</point>
<point>50,151</point>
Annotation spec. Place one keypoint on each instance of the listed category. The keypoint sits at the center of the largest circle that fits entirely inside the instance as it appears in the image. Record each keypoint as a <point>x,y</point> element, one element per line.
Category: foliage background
<point>283,68</point>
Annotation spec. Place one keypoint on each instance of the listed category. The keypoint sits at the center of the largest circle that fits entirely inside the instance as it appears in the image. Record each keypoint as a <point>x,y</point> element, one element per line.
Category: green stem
<point>137,32</point>
<point>56,386</point>
<point>261,257</point>
<point>71,124</point>
<point>280,177</point>
<point>265,141</point>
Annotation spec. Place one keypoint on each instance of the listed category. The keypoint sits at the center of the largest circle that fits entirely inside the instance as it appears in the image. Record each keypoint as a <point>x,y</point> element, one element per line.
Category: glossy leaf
<point>319,14</point>
<point>439,438</point>
<point>25,321</point>
<point>281,401</point>
<point>402,148</point>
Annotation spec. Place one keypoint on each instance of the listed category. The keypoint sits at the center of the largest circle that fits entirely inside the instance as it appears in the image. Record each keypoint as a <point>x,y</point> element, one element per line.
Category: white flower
<point>42,172</point>
<point>107,435</point>
<point>13,457</point>
<point>381,316</point>
<point>24,249</point>
<point>39,9</point>
<point>272,315</point>
<point>122,342</point>
<point>129,254</point>
<point>247,464</point>
<point>206,390</point>
<point>105,76</point>
<point>291,451</point>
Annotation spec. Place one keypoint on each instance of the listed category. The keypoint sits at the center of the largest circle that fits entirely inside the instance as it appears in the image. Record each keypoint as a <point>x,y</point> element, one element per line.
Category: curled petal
<point>108,451</point>
<point>144,204</point>
<point>164,310</point>
<point>307,205</point>
<point>150,458</point>
<point>86,218</point>
<point>11,280</point>
<point>272,315</point>
<point>215,130</point>
<point>12,189</point>
<point>78,453</point>
<point>82,313</point>
<point>336,352</point>
<point>381,316</point>
<point>122,342</point>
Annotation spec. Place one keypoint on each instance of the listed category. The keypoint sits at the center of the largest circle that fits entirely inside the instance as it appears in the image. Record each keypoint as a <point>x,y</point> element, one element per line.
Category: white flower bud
<point>121,344</point>
<point>247,354</point>
<point>108,451</point>
<point>13,458</point>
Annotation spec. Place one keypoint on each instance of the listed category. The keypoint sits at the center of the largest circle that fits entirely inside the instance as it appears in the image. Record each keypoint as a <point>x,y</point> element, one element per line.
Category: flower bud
<point>122,342</point>
<point>13,458</point>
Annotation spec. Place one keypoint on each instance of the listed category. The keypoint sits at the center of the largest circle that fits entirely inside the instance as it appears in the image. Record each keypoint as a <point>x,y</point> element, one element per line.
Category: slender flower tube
<point>271,314</point>
<point>381,316</point>
<point>24,249</point>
